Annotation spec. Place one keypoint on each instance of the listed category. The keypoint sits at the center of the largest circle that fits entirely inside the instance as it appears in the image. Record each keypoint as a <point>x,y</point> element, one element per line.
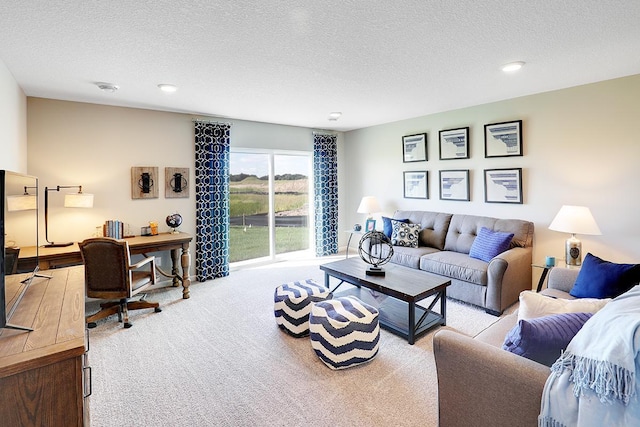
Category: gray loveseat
<point>480,384</point>
<point>444,244</point>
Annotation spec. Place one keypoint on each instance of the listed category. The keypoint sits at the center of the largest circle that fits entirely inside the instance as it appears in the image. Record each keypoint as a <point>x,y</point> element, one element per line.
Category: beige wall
<point>13,123</point>
<point>95,146</point>
<point>581,147</point>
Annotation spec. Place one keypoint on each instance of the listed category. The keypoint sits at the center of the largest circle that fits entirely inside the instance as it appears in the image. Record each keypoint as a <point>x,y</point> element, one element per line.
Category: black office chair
<point>109,274</point>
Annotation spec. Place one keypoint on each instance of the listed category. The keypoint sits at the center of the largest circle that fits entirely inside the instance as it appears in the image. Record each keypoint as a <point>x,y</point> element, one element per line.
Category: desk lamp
<point>22,202</point>
<point>574,220</point>
<point>71,200</point>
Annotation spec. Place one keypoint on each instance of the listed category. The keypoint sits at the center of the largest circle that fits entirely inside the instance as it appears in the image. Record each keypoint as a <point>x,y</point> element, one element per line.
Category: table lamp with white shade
<point>369,205</point>
<point>574,220</point>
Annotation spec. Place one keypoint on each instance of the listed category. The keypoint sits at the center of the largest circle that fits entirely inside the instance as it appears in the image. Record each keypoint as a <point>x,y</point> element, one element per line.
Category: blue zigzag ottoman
<point>292,305</point>
<point>344,332</point>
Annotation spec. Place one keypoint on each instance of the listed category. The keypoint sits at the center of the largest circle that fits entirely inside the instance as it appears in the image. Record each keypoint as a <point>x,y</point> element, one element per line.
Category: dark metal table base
<point>397,316</point>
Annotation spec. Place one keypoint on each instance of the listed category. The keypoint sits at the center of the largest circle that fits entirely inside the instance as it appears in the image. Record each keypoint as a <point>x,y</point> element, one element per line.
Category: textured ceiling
<point>294,62</point>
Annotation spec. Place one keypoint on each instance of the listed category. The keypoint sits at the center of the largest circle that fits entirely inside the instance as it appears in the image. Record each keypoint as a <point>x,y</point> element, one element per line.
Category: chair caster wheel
<point>91,325</point>
<point>157,309</point>
<point>127,325</point>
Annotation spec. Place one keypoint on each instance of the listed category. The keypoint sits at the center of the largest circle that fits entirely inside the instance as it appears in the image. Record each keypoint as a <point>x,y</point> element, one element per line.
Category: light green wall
<point>581,147</point>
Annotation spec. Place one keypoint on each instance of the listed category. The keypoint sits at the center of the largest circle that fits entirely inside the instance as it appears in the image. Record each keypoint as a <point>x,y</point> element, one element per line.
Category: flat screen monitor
<point>18,229</point>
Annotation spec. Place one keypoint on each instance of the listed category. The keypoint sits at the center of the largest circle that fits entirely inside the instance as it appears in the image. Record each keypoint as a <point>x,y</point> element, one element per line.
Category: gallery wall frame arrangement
<point>503,185</point>
<point>503,139</point>
<point>144,182</point>
<point>414,148</point>
<point>454,185</point>
<point>176,183</point>
<point>454,143</point>
<point>416,185</point>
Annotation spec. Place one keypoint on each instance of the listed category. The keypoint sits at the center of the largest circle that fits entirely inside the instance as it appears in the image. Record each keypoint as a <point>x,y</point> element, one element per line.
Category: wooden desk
<point>44,375</point>
<point>178,244</point>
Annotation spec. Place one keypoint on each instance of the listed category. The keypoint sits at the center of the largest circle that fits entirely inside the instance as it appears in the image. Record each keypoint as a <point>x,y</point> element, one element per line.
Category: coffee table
<point>395,295</point>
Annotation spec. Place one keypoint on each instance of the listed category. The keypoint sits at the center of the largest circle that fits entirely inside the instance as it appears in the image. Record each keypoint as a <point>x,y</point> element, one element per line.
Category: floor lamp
<point>71,200</point>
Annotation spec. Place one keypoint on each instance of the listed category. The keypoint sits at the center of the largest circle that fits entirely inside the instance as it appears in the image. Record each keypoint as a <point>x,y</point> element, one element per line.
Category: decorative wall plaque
<point>144,182</point>
<point>176,183</point>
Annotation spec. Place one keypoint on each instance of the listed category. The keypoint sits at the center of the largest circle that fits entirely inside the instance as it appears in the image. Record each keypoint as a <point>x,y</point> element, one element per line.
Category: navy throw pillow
<point>489,243</point>
<point>387,228</point>
<point>544,338</point>
<point>603,279</point>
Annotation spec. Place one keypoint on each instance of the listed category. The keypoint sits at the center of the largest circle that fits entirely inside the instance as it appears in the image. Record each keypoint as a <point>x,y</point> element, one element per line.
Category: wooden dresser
<point>45,379</point>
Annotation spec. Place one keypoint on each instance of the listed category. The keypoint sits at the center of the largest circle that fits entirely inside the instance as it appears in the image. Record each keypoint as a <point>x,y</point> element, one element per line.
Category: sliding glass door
<point>269,203</point>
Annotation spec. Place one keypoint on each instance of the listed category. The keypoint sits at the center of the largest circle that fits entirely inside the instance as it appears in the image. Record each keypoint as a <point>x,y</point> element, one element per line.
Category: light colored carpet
<point>219,359</point>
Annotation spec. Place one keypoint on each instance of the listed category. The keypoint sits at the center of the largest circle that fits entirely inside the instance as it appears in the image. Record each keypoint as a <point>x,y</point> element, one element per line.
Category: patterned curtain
<point>212,200</point>
<point>325,174</point>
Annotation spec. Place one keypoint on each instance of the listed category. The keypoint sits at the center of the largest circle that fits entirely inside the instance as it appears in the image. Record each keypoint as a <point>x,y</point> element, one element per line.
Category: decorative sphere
<point>371,250</point>
<point>174,220</point>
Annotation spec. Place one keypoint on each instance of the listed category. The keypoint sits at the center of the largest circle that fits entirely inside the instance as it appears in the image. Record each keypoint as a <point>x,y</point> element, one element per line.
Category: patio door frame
<point>271,154</point>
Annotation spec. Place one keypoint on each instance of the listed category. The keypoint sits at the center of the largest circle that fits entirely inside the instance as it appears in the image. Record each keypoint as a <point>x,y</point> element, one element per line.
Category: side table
<point>546,268</point>
<point>351,233</point>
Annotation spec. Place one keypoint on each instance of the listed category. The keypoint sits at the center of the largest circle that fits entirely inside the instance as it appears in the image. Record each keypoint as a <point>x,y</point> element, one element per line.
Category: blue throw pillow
<point>544,338</point>
<point>387,227</point>
<point>489,243</point>
<point>603,279</point>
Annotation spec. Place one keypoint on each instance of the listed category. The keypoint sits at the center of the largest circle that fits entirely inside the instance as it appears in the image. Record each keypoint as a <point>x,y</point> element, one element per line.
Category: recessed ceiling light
<point>335,115</point>
<point>107,87</point>
<point>512,66</point>
<point>165,87</point>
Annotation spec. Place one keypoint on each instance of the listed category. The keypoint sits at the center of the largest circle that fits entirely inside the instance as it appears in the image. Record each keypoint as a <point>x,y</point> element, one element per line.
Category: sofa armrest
<point>508,274</point>
<point>481,385</point>
<point>562,279</point>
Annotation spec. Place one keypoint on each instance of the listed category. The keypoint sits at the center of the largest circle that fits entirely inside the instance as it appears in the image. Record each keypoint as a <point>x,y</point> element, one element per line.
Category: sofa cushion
<point>489,243</point>
<point>603,279</point>
<point>544,338</point>
<point>387,228</point>
<point>408,257</point>
<point>456,266</point>
<point>534,305</point>
<point>405,234</point>
<point>434,226</point>
<point>463,230</point>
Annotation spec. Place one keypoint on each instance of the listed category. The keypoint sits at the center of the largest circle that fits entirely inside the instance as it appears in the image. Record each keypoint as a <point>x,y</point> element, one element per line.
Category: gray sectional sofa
<point>480,384</point>
<point>444,244</point>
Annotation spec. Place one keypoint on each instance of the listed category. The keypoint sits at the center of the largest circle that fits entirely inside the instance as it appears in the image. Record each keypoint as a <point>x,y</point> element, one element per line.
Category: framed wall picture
<point>415,185</point>
<point>144,182</point>
<point>503,139</point>
<point>370,225</point>
<point>414,148</point>
<point>176,183</point>
<point>454,144</point>
<point>454,185</point>
<point>503,185</point>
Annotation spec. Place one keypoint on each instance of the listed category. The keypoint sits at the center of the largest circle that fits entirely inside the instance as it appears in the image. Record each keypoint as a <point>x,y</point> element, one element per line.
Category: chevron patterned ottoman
<point>292,305</point>
<point>344,332</point>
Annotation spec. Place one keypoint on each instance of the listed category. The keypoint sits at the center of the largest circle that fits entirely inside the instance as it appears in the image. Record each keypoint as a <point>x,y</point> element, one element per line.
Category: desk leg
<point>186,266</point>
<point>174,267</point>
